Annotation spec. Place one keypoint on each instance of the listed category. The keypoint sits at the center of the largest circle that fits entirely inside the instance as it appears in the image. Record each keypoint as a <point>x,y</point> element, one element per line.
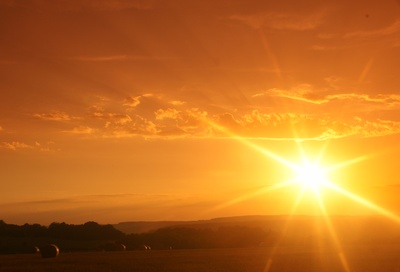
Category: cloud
<point>330,47</point>
<point>386,36</point>
<point>391,100</point>
<point>54,116</point>
<point>302,112</point>
<point>303,92</point>
<point>15,145</point>
<point>282,21</point>
<point>115,117</point>
<point>81,130</point>
<point>162,114</point>
<point>302,126</point>
<point>47,147</point>
<point>276,126</point>
<point>149,98</point>
<point>308,94</point>
<point>78,199</point>
<point>137,126</point>
<point>374,128</point>
<point>177,103</point>
<point>392,29</point>
<point>132,102</point>
<point>119,207</point>
<point>193,122</point>
<point>83,5</point>
<point>110,58</point>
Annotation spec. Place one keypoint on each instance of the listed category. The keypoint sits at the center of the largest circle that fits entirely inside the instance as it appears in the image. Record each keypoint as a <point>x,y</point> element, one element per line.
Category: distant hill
<point>348,228</point>
<point>146,226</point>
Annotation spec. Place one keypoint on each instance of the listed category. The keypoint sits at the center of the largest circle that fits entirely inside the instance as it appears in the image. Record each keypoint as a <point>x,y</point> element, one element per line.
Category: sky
<point>121,110</point>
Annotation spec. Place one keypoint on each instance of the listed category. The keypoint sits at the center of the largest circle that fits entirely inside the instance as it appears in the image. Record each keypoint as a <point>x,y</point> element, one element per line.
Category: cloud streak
<point>100,5</point>
<point>392,29</point>
<point>55,116</point>
<point>120,207</point>
<point>282,21</point>
<point>16,145</point>
<point>306,94</point>
<point>82,130</point>
<point>111,58</point>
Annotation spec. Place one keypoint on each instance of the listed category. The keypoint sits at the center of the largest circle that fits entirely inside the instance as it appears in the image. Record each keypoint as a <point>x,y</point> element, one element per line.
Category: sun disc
<point>310,176</point>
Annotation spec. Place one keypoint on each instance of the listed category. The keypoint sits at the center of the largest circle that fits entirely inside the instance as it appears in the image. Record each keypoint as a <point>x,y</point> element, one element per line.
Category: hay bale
<point>114,247</point>
<point>121,247</point>
<point>25,249</point>
<point>49,251</point>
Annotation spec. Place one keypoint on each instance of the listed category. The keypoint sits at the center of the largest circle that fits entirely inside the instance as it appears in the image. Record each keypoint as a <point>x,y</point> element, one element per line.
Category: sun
<point>311,176</point>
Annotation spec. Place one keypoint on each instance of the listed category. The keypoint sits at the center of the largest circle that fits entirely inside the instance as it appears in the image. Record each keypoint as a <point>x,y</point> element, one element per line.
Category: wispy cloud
<point>120,207</point>
<point>55,116</point>
<point>306,93</point>
<point>177,102</point>
<point>81,199</point>
<point>79,5</point>
<point>81,130</point>
<point>385,35</point>
<point>193,122</point>
<point>282,21</point>
<point>15,145</point>
<point>115,117</point>
<point>132,102</point>
<point>110,58</point>
<point>303,126</point>
<point>137,126</point>
<point>392,29</point>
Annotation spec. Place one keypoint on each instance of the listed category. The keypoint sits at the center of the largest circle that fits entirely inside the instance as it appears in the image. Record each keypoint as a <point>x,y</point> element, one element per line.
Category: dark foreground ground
<point>369,258</point>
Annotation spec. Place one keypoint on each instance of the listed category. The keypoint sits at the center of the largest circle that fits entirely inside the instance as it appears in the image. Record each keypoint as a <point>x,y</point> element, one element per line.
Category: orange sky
<point>151,110</point>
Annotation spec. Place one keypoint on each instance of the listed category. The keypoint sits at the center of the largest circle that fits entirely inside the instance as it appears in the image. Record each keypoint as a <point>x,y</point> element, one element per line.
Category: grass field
<point>294,259</point>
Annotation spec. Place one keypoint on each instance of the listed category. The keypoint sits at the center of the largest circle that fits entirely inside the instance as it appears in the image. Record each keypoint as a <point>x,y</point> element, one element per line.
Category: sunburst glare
<point>310,174</point>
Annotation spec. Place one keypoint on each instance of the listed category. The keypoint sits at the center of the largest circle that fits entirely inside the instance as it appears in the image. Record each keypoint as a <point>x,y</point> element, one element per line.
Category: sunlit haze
<point>121,110</point>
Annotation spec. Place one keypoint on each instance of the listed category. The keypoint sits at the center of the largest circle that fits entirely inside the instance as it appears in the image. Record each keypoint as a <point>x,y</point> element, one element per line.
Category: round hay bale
<point>114,247</point>
<point>28,249</point>
<point>49,251</point>
<point>35,249</point>
<point>121,247</point>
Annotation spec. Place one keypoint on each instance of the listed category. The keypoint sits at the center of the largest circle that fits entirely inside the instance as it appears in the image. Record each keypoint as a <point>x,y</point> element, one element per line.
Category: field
<point>360,258</point>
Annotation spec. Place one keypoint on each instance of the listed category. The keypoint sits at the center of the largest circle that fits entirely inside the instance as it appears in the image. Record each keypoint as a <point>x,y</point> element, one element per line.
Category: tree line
<point>93,236</point>
<point>87,231</point>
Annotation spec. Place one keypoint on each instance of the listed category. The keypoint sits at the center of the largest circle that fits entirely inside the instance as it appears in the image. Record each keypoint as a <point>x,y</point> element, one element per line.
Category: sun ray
<point>333,234</point>
<point>299,198</point>
<point>285,228</point>
<point>255,193</point>
<point>251,145</point>
<point>364,202</point>
<point>345,163</point>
